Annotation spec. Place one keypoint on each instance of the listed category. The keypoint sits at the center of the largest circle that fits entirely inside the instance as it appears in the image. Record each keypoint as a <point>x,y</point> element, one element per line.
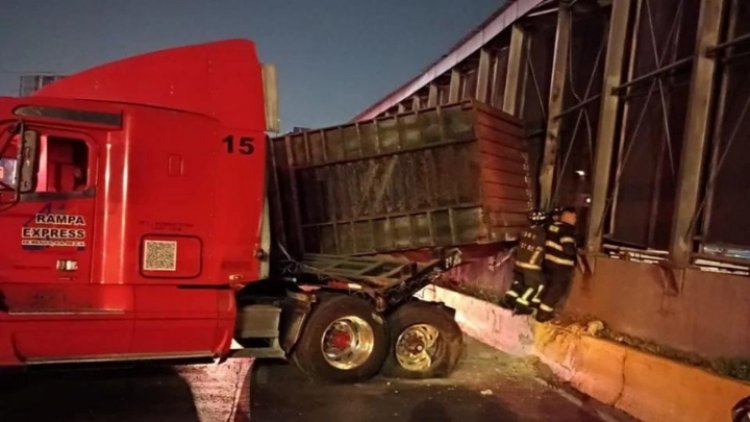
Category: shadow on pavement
<point>280,393</point>
<point>142,393</point>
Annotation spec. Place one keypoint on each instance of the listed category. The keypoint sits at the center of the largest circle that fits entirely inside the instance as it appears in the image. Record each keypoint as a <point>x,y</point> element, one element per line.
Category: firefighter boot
<point>508,301</point>
<point>516,288</point>
<point>544,313</point>
<point>523,306</point>
<point>523,309</point>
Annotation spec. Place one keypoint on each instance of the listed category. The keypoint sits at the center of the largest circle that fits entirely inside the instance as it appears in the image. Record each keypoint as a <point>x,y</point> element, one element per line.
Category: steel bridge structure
<point>638,114</point>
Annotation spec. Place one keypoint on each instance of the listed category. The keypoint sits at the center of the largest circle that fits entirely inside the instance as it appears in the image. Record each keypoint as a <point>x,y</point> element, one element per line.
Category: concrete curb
<point>648,387</point>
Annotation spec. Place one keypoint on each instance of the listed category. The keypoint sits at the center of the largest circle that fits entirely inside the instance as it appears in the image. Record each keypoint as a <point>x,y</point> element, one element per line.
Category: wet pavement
<point>488,386</point>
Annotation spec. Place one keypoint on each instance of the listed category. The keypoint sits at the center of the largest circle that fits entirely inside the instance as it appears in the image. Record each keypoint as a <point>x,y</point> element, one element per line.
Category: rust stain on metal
<point>450,175</point>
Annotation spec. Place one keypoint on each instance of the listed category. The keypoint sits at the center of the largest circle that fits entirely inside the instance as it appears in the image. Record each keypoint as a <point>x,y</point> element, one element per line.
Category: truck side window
<point>63,165</point>
<point>9,164</point>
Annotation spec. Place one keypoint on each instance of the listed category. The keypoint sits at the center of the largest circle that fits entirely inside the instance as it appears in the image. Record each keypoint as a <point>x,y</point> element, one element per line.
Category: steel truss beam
<point>580,105</point>
<point>697,132</point>
<point>607,121</point>
<point>583,115</point>
<point>513,77</point>
<point>454,89</point>
<point>678,64</point>
<point>657,85</point>
<point>432,96</point>
<point>720,48</point>
<point>720,147</point>
<point>556,101</point>
<point>483,75</point>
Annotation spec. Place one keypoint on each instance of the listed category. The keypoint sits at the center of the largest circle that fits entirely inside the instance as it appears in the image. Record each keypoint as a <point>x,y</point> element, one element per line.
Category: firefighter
<point>527,272</point>
<point>552,217</point>
<point>559,262</point>
<point>555,215</point>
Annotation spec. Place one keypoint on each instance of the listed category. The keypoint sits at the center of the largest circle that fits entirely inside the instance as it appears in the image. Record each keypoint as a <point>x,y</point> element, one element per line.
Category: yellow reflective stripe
<point>554,245</point>
<point>546,308</point>
<point>535,256</point>
<point>559,261</point>
<point>524,300</point>
<point>528,266</point>
<point>567,239</point>
<point>527,293</point>
<point>538,292</point>
<point>511,293</point>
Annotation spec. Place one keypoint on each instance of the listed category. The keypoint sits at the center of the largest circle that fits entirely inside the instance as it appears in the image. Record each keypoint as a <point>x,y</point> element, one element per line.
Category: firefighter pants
<point>526,286</point>
<point>558,280</point>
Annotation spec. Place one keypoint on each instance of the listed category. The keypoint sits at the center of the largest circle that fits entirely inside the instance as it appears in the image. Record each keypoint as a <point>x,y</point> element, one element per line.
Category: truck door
<point>179,299</point>
<point>53,308</point>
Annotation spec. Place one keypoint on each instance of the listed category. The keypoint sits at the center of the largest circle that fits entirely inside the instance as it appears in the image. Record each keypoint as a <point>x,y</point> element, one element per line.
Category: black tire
<point>741,411</point>
<point>444,354</point>
<point>308,354</point>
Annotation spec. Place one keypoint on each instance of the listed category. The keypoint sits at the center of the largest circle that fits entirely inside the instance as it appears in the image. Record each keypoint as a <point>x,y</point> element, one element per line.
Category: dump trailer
<point>444,176</point>
<point>134,226</point>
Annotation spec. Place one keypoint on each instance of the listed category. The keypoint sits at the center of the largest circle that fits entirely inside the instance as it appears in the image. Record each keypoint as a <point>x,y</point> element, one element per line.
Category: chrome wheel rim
<point>347,342</point>
<point>417,347</point>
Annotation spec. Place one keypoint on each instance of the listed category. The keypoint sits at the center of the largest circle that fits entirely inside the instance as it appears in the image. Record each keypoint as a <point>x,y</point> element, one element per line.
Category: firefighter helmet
<point>556,213</point>
<point>537,217</point>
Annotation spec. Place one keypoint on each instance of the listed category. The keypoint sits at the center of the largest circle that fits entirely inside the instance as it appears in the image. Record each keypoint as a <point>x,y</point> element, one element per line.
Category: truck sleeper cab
<point>132,217</point>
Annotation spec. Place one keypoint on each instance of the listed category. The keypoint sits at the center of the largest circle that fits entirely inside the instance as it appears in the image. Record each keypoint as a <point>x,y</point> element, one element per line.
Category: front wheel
<point>425,341</point>
<point>344,340</point>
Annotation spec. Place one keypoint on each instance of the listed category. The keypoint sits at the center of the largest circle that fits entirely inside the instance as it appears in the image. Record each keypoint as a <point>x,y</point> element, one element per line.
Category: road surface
<point>489,386</point>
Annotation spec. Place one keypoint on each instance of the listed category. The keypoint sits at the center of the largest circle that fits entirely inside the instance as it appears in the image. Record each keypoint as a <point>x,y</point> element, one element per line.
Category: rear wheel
<point>425,341</point>
<point>344,340</point>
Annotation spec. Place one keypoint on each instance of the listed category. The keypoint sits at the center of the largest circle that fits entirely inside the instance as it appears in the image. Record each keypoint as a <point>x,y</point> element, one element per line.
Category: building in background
<point>31,83</point>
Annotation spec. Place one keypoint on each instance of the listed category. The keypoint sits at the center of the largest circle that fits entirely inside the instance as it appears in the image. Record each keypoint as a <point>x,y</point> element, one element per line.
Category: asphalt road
<point>488,386</point>
<point>127,393</point>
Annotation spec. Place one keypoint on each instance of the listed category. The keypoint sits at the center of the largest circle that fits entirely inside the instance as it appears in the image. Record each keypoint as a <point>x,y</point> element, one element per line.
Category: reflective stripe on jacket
<point>560,245</point>
<point>530,252</point>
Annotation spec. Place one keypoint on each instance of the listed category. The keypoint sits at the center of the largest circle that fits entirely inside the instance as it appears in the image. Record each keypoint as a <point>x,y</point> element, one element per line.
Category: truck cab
<point>131,207</point>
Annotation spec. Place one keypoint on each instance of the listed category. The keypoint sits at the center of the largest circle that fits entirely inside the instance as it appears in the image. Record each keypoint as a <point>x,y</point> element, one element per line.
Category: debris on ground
<point>594,327</point>
<point>487,392</point>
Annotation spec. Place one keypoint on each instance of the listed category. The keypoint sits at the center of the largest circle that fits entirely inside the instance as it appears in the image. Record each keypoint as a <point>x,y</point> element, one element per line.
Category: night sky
<point>334,57</point>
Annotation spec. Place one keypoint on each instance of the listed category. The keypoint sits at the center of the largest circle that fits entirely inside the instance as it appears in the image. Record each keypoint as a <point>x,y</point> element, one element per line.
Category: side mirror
<point>28,161</point>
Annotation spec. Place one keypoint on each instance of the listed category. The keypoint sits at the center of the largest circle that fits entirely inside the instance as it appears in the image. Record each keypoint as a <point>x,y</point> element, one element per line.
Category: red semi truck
<point>133,227</point>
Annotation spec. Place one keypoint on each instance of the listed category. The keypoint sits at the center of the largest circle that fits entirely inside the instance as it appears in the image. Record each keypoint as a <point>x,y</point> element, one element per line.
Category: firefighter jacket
<point>530,252</point>
<point>560,246</point>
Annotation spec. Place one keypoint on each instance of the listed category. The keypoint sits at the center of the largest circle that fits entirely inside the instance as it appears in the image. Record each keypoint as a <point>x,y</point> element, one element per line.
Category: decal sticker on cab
<point>54,229</point>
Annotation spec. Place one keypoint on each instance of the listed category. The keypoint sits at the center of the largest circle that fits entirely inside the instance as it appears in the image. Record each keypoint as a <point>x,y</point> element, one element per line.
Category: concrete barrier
<point>488,323</point>
<point>648,387</point>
